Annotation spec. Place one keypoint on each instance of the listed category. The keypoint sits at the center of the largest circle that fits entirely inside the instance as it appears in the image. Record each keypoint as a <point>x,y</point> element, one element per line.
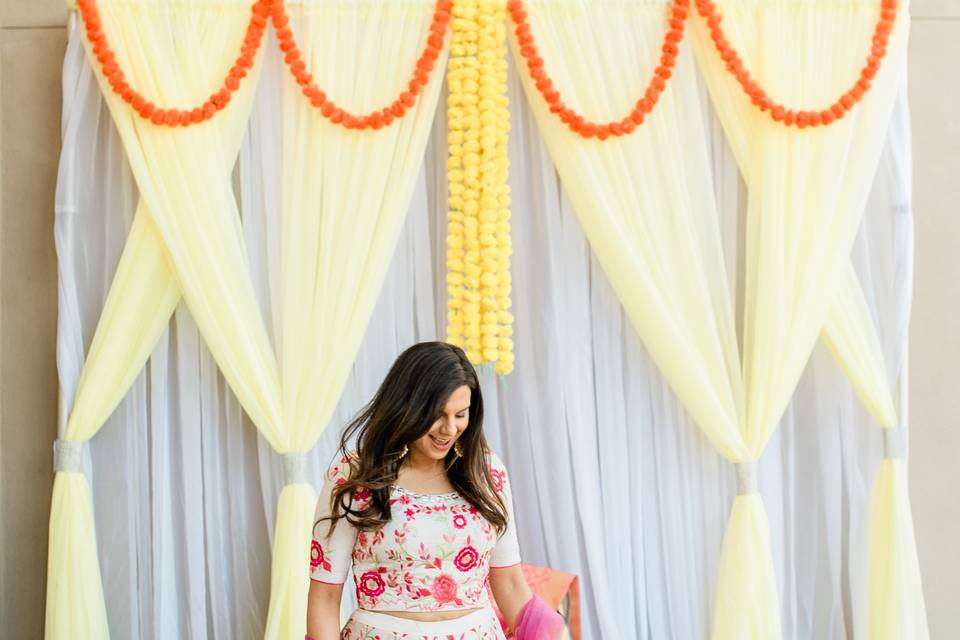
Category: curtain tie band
<point>68,455</point>
<point>746,477</point>
<point>295,468</point>
<point>895,443</point>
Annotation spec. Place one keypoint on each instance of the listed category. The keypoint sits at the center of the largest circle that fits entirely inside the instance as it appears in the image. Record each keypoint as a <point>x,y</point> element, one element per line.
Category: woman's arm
<point>323,610</point>
<point>510,590</point>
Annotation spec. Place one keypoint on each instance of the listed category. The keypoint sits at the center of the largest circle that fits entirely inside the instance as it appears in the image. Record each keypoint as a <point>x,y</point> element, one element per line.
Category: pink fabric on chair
<point>553,589</point>
<point>537,621</point>
<point>554,586</point>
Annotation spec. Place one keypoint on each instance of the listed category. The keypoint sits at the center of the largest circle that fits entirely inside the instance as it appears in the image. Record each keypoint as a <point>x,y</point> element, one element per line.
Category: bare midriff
<point>430,616</point>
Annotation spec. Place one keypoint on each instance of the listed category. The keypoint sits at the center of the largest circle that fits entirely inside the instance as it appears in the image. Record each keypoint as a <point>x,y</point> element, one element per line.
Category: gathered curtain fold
<point>343,207</point>
<point>877,369</point>
<point>807,191</point>
<point>345,196</point>
<point>145,289</point>
<point>660,245</point>
<point>646,204</point>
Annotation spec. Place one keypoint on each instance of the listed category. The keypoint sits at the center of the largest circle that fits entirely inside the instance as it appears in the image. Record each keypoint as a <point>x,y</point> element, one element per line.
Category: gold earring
<point>457,449</point>
<point>404,452</point>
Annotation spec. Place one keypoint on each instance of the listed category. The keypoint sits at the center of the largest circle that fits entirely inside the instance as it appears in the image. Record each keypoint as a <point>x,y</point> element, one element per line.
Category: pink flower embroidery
<point>466,559</point>
<point>317,557</point>
<point>372,584</point>
<point>498,477</point>
<point>459,521</point>
<point>444,589</point>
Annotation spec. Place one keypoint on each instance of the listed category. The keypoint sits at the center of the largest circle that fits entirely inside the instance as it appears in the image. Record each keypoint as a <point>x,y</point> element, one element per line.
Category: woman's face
<point>437,442</point>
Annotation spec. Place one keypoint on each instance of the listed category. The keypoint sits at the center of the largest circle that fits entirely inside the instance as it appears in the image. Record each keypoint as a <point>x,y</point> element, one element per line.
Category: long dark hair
<point>410,399</point>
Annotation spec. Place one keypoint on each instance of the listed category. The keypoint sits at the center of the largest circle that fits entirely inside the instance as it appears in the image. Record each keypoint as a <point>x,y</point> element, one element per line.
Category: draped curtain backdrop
<point>614,480</point>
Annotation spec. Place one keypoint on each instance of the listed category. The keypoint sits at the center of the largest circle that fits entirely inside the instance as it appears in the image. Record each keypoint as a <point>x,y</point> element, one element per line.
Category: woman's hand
<point>510,590</point>
<point>323,610</point>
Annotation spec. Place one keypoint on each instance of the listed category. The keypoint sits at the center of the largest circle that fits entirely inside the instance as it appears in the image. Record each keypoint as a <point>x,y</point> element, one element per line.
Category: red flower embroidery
<point>317,557</point>
<point>444,589</point>
<point>372,584</point>
<point>362,495</point>
<point>498,478</point>
<point>459,521</point>
<point>466,559</point>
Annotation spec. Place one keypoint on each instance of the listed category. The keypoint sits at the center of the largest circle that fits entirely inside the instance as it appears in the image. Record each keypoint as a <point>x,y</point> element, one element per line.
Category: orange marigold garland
<point>100,48</point>
<point>576,122</point>
<point>375,119</point>
<point>798,117</point>
<point>261,11</point>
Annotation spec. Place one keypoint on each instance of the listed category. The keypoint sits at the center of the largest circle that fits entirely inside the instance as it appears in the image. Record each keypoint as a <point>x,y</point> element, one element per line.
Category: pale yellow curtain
<point>850,335</point>
<point>175,54</point>
<point>895,604</point>
<point>807,190</point>
<point>142,298</point>
<point>647,206</point>
<point>345,196</point>
<point>179,54</point>
<point>667,270</point>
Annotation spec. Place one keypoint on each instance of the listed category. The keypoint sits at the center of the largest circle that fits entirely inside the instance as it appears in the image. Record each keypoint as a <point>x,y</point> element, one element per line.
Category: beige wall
<point>935,331</point>
<point>32,42</point>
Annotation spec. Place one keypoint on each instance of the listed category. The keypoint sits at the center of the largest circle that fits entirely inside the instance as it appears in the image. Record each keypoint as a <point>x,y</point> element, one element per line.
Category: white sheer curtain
<point>185,490</point>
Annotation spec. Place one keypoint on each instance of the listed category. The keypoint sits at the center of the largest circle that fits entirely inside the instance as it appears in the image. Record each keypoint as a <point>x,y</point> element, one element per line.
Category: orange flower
<point>100,48</point>
<point>778,112</point>
<point>379,118</point>
<point>627,125</point>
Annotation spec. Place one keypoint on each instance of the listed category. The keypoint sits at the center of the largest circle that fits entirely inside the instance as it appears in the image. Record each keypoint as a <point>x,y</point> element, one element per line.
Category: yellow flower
<point>478,231</point>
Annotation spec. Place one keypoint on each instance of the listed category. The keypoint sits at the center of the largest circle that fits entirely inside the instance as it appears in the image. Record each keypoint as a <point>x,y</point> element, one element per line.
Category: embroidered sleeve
<point>331,554</point>
<point>506,552</point>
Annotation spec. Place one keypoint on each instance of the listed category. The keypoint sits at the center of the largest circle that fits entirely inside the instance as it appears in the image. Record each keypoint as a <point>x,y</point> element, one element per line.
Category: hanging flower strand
<point>461,98</point>
<point>375,119</point>
<point>576,122</point>
<point>495,204</point>
<point>478,228</point>
<point>101,50</point>
<point>798,117</point>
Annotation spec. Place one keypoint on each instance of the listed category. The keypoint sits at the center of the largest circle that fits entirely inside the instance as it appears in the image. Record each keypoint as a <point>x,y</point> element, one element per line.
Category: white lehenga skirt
<point>369,625</point>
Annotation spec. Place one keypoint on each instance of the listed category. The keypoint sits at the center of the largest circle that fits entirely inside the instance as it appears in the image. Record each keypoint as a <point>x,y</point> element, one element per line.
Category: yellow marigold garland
<point>478,232</point>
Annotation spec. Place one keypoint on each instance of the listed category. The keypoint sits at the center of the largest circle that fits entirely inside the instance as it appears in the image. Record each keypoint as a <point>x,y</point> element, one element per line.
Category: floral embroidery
<point>317,557</point>
<point>444,589</point>
<point>372,584</point>
<point>498,478</point>
<point>486,630</point>
<point>434,554</point>
<point>467,558</point>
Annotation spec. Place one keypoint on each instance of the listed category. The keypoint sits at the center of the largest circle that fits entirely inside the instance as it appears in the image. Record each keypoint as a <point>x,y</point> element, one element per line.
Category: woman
<point>423,510</point>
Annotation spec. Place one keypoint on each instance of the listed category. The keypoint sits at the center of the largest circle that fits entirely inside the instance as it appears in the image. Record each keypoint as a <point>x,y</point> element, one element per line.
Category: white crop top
<point>434,554</point>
